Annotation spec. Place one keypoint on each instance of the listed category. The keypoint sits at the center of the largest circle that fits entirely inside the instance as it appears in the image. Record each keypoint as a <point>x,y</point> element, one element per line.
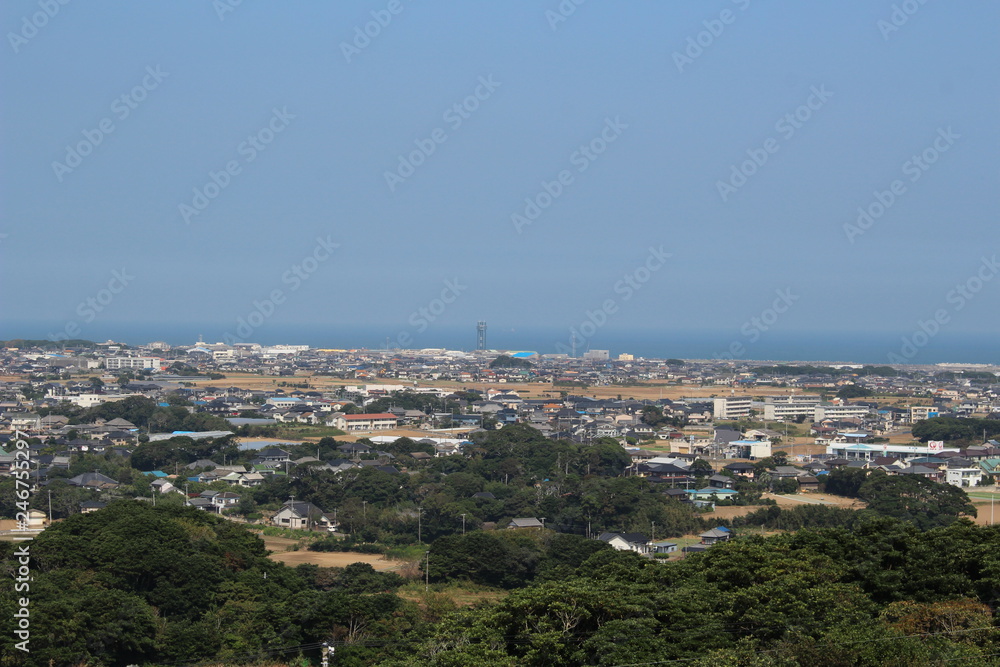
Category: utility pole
<point>427,571</point>
<point>50,507</point>
<point>364,509</point>
<point>326,654</point>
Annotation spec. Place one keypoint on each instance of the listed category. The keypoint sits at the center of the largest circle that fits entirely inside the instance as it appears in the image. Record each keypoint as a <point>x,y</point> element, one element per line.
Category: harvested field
<point>732,511</point>
<point>334,559</point>
<point>989,513</point>
<point>797,499</point>
<point>531,389</point>
<point>281,548</point>
<point>786,501</point>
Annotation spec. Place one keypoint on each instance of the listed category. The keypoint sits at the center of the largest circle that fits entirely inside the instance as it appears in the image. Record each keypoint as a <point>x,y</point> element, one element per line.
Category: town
<point>272,407</point>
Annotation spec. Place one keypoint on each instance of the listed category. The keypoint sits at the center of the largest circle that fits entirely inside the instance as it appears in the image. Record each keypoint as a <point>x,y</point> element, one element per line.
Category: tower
<point>481,335</point>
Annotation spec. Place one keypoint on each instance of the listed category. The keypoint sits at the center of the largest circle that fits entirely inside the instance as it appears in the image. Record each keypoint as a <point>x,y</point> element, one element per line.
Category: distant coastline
<point>783,347</point>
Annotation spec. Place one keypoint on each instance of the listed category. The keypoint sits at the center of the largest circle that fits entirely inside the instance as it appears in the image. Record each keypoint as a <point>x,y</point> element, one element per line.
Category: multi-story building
<point>920,412</point>
<point>129,363</point>
<point>846,411</point>
<point>375,422</point>
<point>731,407</point>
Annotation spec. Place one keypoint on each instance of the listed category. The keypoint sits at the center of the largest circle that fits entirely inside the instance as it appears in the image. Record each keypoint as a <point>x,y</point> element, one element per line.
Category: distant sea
<point>860,347</point>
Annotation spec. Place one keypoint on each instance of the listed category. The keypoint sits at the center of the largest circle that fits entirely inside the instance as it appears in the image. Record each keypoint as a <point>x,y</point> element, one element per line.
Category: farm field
<point>987,502</point>
<point>280,546</point>
<point>649,390</point>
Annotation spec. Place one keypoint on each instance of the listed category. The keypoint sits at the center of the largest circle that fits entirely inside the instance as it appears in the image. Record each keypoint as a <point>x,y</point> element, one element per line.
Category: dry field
<point>988,512</point>
<point>280,547</point>
<point>530,389</point>
<point>334,559</point>
<point>795,499</point>
<point>787,501</point>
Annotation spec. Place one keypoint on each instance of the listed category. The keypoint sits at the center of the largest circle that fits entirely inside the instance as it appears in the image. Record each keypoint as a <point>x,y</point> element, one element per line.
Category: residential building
<point>133,363</point>
<point>846,411</point>
<point>731,407</point>
<point>376,422</point>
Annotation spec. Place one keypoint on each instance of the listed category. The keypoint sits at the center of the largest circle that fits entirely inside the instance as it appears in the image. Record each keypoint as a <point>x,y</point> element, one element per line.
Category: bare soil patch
<point>732,511</point>
<point>798,499</point>
<point>281,552</point>
<point>333,559</point>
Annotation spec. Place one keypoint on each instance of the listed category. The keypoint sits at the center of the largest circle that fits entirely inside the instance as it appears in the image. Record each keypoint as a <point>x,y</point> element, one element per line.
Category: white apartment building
<point>364,422</point>
<point>129,363</point>
<point>789,411</point>
<point>90,400</point>
<point>840,412</point>
<point>731,407</point>
<point>225,355</point>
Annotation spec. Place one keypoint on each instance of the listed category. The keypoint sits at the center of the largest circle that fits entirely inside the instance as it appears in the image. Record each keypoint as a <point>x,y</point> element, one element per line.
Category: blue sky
<point>199,81</point>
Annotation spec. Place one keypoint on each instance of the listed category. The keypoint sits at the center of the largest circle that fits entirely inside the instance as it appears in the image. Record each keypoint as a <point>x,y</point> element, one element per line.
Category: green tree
<point>853,391</point>
<point>845,482</point>
<point>914,499</point>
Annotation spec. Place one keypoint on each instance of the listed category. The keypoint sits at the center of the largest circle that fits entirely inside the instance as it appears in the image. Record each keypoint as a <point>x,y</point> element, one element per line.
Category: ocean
<point>911,347</point>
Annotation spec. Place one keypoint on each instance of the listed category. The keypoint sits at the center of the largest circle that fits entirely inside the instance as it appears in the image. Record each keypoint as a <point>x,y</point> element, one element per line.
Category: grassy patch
<point>276,531</point>
<point>459,594</point>
<point>408,552</point>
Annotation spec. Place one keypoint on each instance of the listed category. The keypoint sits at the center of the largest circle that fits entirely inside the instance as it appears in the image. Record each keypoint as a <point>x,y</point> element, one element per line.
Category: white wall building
<point>841,412</point>
<point>964,477</point>
<point>731,407</point>
<point>129,363</point>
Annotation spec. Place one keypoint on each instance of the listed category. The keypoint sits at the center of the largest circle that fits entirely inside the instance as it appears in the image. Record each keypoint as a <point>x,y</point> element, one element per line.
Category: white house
<point>300,515</point>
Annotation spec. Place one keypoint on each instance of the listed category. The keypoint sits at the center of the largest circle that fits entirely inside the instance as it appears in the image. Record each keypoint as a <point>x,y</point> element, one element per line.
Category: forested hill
<point>133,584</point>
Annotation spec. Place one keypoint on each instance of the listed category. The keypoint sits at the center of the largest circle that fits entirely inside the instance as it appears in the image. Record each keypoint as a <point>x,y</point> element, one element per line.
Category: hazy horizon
<point>409,168</point>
